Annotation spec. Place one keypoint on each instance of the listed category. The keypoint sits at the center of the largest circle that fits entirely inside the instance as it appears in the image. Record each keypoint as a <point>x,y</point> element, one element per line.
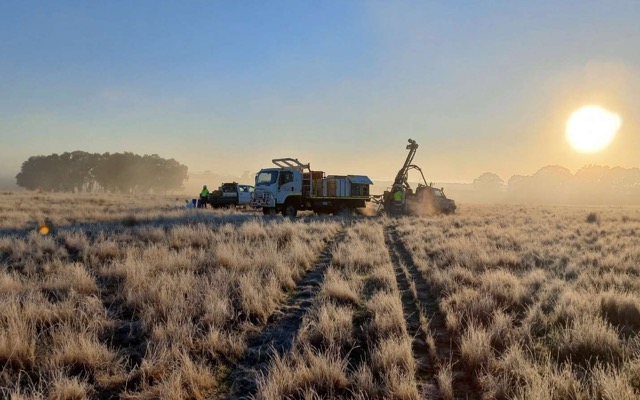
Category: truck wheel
<point>289,211</point>
<point>344,212</point>
<point>268,211</point>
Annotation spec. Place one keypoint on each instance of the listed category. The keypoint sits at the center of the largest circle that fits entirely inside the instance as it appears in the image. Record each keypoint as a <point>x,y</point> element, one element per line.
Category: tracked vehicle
<point>425,200</point>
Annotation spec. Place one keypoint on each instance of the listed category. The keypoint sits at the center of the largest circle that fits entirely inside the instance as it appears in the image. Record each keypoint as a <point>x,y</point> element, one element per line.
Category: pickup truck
<point>230,195</point>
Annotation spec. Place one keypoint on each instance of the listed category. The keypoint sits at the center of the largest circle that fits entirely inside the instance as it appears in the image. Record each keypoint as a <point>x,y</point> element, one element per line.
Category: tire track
<point>126,336</point>
<point>425,371</point>
<point>277,337</point>
<point>422,302</point>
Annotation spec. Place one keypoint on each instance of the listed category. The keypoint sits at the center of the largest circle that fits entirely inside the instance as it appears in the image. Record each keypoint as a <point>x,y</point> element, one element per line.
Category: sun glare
<point>592,128</point>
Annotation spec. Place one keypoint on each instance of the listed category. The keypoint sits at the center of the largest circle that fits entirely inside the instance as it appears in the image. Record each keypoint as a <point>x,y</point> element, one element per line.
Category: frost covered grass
<point>542,302</point>
<point>143,311</point>
<point>138,299</point>
<point>353,342</point>
<point>28,210</point>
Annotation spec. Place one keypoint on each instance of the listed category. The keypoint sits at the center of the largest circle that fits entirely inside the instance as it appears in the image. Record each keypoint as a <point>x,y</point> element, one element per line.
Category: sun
<point>592,128</point>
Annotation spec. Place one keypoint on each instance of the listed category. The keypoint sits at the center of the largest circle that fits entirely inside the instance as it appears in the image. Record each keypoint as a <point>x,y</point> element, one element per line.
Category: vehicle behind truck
<point>293,186</point>
<point>230,195</point>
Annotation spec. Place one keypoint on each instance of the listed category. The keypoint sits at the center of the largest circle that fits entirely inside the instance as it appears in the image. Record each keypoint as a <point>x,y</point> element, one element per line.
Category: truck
<point>292,186</point>
<point>231,194</point>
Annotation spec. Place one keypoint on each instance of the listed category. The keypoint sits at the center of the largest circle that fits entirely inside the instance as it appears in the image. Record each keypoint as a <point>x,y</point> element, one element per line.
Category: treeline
<point>80,171</point>
<point>554,184</point>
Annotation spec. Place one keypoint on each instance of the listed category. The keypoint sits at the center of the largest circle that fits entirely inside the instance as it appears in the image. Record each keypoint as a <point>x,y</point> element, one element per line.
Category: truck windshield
<point>266,178</point>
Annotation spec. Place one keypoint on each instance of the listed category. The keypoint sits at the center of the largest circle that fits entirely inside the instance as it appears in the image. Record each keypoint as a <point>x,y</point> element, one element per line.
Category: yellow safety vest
<point>397,196</point>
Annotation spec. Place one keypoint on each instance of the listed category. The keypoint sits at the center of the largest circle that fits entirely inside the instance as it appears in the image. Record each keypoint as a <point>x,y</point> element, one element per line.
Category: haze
<point>226,86</point>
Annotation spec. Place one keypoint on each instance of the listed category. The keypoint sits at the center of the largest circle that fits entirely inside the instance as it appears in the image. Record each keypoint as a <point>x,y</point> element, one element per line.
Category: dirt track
<point>277,336</point>
<point>424,318</point>
<point>432,345</point>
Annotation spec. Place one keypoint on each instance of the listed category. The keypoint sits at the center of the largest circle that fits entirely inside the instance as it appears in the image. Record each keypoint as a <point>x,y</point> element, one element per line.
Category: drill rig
<point>425,200</point>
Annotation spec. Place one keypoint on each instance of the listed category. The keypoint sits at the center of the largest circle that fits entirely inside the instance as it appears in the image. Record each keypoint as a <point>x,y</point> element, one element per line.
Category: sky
<point>227,86</point>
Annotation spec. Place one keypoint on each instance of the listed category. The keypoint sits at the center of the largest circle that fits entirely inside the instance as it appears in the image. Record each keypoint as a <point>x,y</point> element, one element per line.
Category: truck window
<point>286,177</point>
<point>266,178</point>
<point>439,193</point>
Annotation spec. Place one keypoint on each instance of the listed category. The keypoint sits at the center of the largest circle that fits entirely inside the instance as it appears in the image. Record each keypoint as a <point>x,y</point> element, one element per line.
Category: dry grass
<point>29,210</point>
<point>445,381</point>
<point>542,302</point>
<point>136,298</point>
<point>353,342</point>
<point>143,311</point>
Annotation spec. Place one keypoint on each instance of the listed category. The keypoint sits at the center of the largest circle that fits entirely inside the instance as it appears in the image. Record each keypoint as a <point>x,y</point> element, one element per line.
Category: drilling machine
<point>426,200</point>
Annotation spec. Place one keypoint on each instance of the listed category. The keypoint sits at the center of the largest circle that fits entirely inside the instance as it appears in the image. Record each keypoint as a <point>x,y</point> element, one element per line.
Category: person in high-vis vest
<point>398,196</point>
<point>398,200</point>
<point>203,196</point>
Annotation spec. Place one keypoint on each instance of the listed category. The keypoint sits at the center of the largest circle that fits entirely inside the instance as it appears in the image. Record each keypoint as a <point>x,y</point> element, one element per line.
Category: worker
<point>398,203</point>
<point>398,195</point>
<point>203,196</point>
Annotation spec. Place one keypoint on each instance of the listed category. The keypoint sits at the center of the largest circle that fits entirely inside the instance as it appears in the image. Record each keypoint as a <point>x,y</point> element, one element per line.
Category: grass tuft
<point>592,218</point>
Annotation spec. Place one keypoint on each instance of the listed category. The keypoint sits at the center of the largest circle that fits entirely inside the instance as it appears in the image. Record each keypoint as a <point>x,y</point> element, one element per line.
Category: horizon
<point>8,181</point>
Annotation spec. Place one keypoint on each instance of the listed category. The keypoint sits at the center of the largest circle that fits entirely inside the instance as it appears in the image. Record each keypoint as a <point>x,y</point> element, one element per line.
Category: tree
<point>488,182</point>
<point>118,172</point>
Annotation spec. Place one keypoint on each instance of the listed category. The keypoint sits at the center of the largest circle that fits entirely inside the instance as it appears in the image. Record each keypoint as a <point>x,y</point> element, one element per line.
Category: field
<point>138,298</point>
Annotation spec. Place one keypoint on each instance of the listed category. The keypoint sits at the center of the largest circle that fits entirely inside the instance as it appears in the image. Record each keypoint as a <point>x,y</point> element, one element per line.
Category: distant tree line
<point>80,171</point>
<point>592,184</point>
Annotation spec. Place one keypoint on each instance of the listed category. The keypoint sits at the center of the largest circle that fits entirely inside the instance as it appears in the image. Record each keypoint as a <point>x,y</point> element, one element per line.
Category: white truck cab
<point>277,186</point>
